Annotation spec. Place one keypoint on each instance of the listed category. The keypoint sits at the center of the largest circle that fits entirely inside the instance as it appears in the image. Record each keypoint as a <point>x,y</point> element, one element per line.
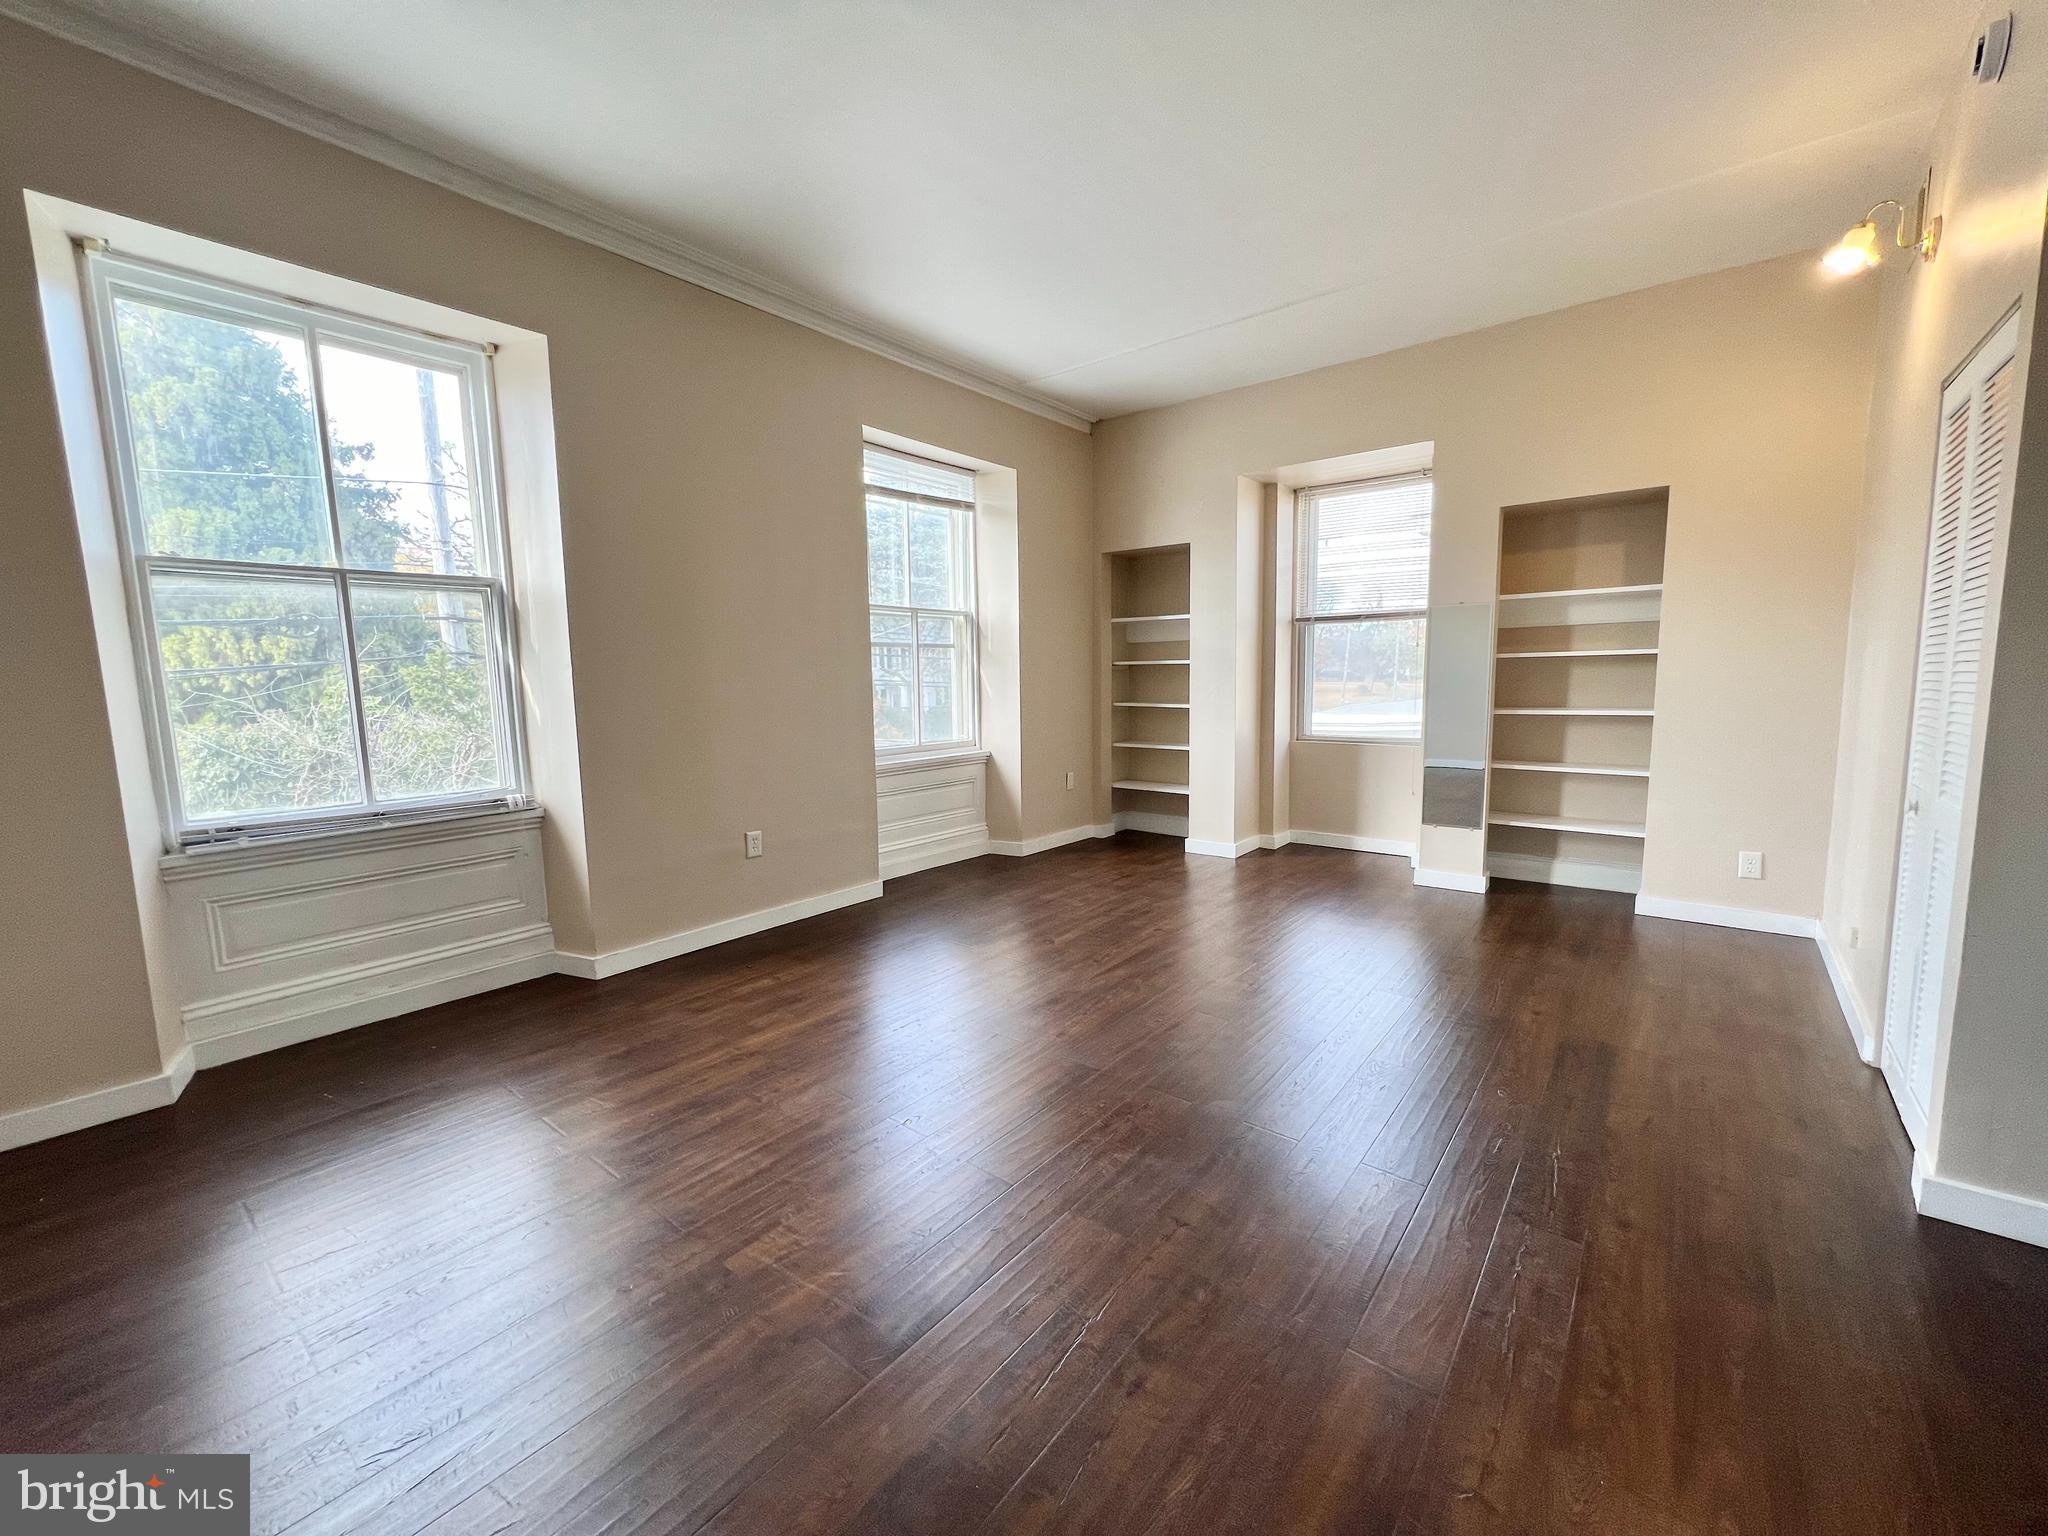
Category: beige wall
<point>1990,163</point>
<point>1363,789</point>
<point>1990,158</point>
<point>1746,392</point>
<point>707,456</point>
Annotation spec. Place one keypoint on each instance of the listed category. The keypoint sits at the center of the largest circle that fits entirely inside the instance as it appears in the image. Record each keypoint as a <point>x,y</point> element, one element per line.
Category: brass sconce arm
<point>1929,236</point>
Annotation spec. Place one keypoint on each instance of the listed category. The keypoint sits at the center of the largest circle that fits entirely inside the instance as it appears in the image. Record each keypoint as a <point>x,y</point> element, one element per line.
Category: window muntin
<point>316,558</point>
<point>1361,600</point>
<point>920,521</point>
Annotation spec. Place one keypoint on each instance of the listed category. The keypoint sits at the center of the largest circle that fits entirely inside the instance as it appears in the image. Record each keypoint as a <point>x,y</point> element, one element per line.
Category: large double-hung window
<point>316,557</point>
<point>920,601</point>
<point>1362,592</point>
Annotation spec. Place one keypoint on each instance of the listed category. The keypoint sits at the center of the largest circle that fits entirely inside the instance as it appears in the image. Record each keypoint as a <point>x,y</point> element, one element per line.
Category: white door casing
<point>1966,544</point>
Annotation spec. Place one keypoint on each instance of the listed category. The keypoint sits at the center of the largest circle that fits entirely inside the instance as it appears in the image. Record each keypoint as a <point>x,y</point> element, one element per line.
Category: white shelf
<point>1537,597</point>
<point>1154,786</point>
<point>1179,662</point>
<point>1142,704</point>
<point>1620,650</point>
<point>1155,746</point>
<point>1151,618</point>
<point>1604,770</point>
<point>1610,714</point>
<point>1582,605</point>
<point>1566,824</point>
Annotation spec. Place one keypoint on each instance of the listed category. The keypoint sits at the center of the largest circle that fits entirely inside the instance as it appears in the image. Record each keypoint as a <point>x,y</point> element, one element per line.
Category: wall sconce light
<point>1860,249</point>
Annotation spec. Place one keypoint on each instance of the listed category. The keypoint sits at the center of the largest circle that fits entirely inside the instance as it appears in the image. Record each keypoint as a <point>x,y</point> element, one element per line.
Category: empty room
<point>924,769</point>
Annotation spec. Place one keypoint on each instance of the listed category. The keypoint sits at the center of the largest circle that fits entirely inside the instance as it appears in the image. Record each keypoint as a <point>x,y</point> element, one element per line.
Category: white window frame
<point>969,704</point>
<point>1305,625</point>
<point>106,274</point>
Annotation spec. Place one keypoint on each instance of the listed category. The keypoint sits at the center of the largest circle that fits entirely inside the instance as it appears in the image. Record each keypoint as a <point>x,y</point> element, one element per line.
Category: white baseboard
<point>1149,821</point>
<point>1580,874</point>
<point>1393,845</point>
<point>931,852</point>
<point>1451,880</point>
<point>40,1122</point>
<point>597,967</point>
<point>1051,840</point>
<point>2019,1217</point>
<point>1853,1013</point>
<point>1751,919</point>
<point>1216,850</point>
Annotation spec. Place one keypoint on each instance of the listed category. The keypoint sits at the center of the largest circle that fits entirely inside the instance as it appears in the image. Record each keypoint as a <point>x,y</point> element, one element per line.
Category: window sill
<point>1363,741</point>
<point>957,757</point>
<point>330,842</point>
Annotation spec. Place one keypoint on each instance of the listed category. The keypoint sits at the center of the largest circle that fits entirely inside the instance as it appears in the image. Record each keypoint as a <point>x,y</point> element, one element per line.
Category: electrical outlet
<point>1749,866</point>
<point>1855,938</point>
<point>1070,778</point>
<point>753,845</point>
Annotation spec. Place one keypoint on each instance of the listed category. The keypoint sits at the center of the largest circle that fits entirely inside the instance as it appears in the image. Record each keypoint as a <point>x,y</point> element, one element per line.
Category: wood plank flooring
<point>1107,1190</point>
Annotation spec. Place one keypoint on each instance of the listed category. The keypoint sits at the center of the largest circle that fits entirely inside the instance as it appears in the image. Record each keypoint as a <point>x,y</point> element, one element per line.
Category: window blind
<point>916,478</point>
<point>1364,548</point>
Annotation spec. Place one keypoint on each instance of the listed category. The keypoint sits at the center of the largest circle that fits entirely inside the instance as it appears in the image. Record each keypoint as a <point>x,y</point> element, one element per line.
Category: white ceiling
<point>1118,205</point>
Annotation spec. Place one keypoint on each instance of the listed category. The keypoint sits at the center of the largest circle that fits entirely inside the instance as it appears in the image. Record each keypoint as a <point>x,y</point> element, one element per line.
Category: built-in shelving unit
<point>1150,674</point>
<point>1575,682</point>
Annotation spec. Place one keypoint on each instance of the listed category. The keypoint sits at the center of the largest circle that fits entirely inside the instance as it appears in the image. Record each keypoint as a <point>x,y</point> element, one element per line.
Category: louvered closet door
<point>1972,499</point>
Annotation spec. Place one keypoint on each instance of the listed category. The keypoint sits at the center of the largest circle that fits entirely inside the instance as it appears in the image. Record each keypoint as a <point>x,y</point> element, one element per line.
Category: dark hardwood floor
<point>1106,1190</point>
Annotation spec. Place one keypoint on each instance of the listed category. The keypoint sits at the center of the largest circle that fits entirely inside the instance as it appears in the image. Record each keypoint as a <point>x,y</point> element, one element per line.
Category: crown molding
<point>551,208</point>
